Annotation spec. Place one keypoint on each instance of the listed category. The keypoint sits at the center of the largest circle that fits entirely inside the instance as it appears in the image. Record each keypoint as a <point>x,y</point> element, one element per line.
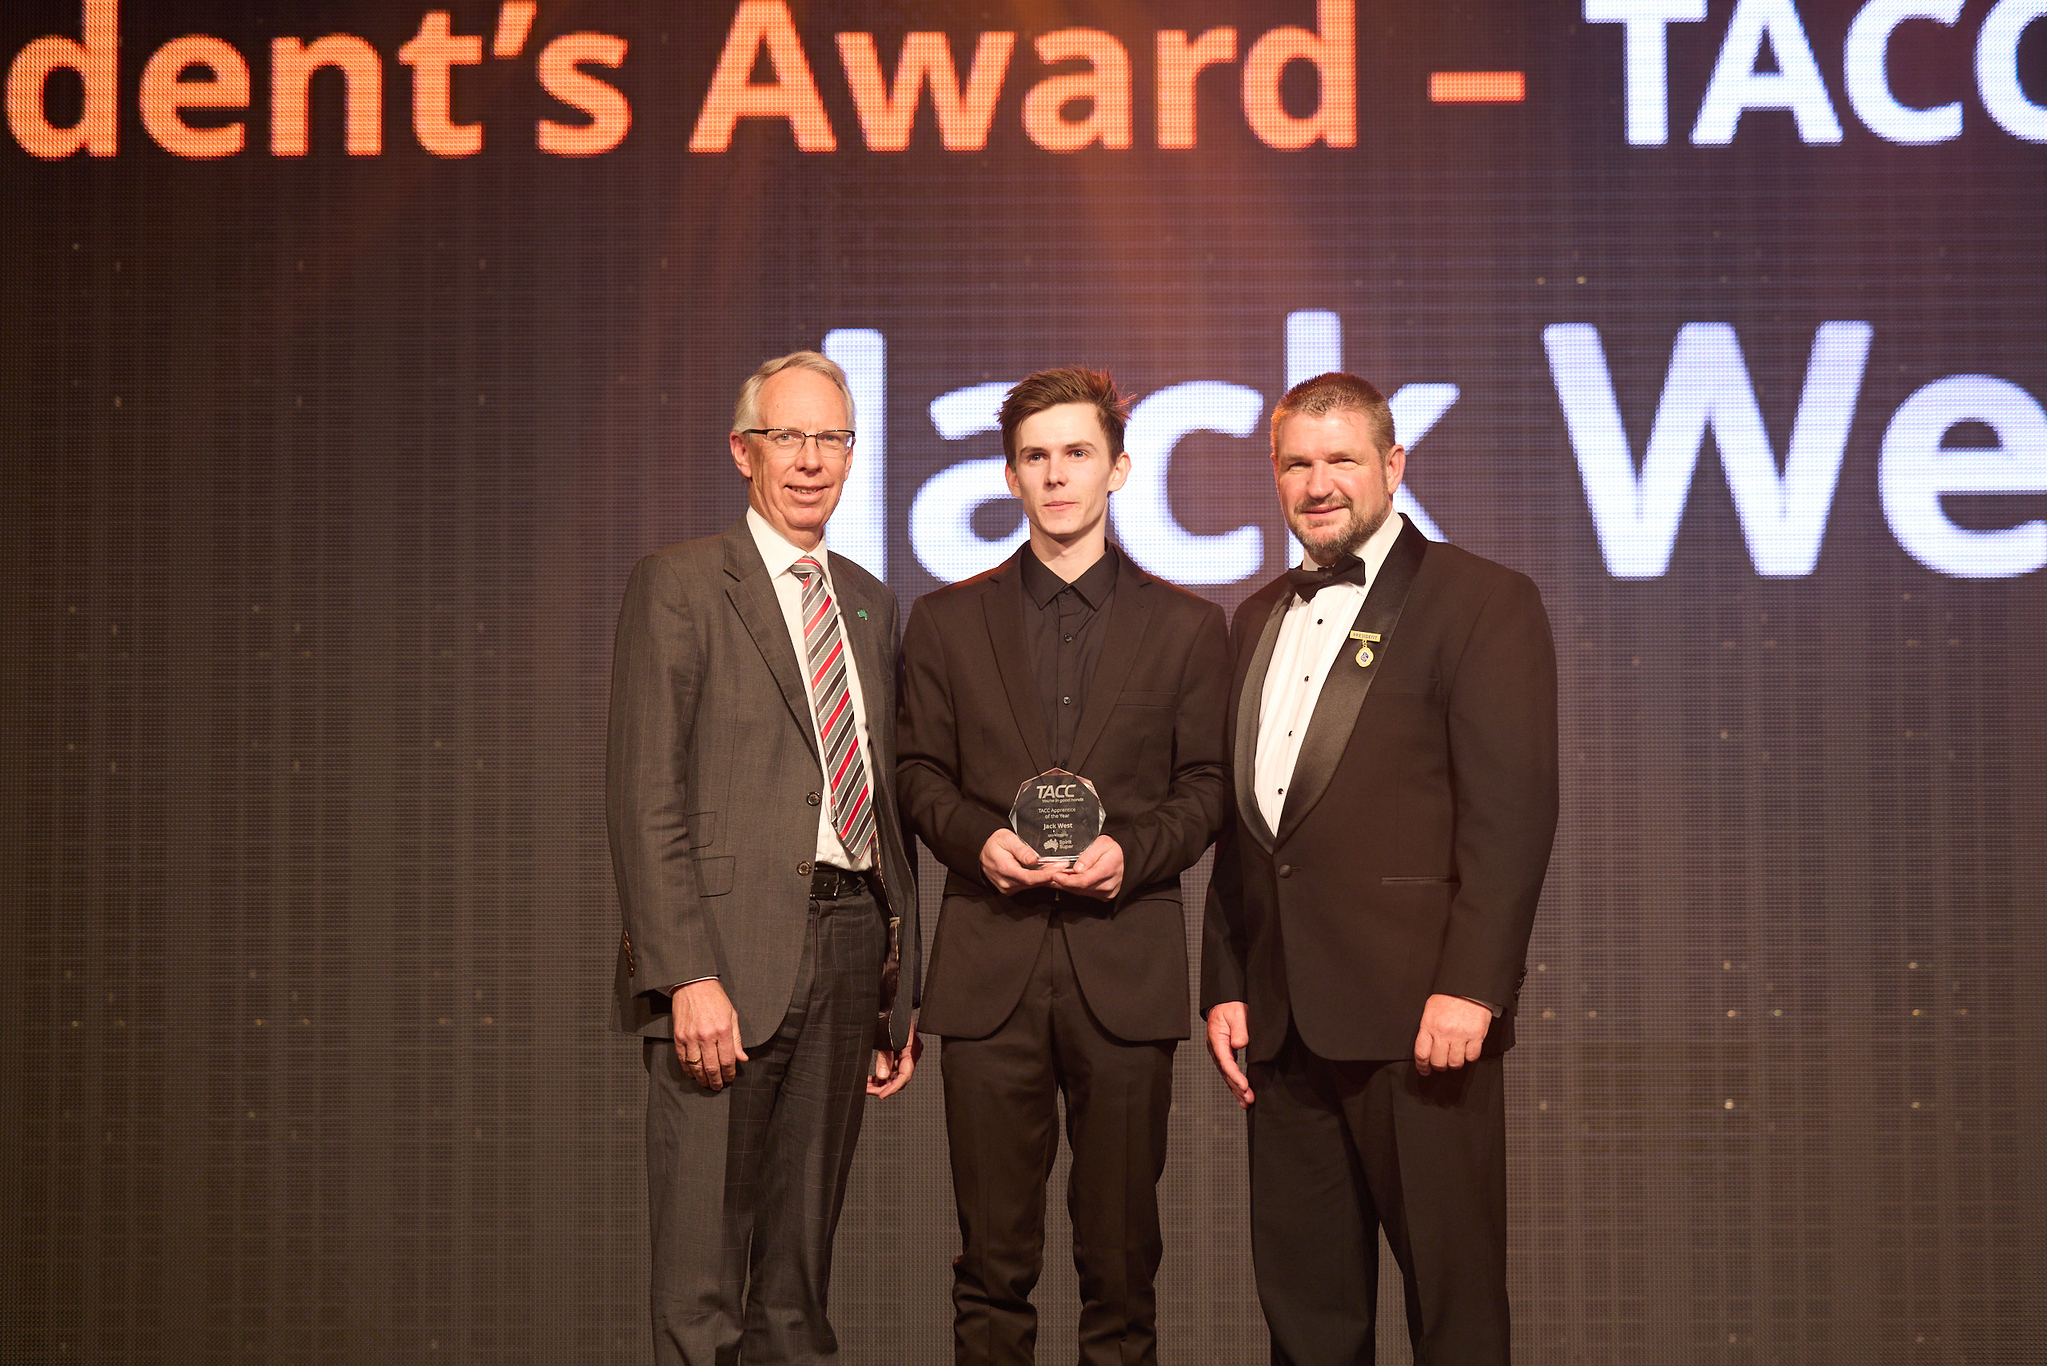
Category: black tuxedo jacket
<point>1152,741</point>
<point>1417,828</point>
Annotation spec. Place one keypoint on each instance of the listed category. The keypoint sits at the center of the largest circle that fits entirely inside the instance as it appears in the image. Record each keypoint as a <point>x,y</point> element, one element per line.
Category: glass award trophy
<point>1058,814</point>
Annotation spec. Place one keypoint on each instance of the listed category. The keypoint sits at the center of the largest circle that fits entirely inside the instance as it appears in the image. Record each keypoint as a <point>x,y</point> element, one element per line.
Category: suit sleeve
<point>1225,946</point>
<point>927,755</point>
<point>909,923</point>
<point>1224,949</point>
<point>1503,759</point>
<point>1161,843</point>
<point>656,677</point>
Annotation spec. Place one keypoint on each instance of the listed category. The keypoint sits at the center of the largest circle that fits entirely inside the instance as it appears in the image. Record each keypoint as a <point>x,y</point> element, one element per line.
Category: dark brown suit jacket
<point>1416,834</point>
<point>713,781</point>
<point>1151,739</point>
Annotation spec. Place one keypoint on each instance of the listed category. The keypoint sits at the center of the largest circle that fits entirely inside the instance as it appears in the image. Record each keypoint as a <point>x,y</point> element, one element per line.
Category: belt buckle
<point>829,883</point>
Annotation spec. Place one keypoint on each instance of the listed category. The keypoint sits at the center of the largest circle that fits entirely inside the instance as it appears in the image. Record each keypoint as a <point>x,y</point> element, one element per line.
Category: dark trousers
<point>1002,1122</point>
<point>1341,1149</point>
<point>744,1185</point>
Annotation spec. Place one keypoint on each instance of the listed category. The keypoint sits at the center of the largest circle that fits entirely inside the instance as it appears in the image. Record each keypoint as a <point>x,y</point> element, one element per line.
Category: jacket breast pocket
<point>1144,697</point>
<point>1409,687</point>
<point>714,875</point>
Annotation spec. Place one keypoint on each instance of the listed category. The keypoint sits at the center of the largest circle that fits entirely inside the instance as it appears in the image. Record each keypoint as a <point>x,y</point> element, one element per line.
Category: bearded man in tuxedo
<point>1393,722</point>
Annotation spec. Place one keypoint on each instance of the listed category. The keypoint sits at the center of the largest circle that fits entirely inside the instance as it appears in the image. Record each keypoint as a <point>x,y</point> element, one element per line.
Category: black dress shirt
<point>1065,639</point>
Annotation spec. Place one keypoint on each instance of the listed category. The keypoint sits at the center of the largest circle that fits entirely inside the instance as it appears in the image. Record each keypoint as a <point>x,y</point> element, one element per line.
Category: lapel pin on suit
<point>860,612</point>
<point>1365,639</point>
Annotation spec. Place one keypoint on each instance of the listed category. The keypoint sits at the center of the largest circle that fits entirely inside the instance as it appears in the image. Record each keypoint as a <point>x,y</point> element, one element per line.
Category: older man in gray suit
<point>770,908</point>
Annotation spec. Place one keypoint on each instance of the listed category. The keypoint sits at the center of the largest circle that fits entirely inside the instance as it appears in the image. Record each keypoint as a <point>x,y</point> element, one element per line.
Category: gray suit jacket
<point>713,782</point>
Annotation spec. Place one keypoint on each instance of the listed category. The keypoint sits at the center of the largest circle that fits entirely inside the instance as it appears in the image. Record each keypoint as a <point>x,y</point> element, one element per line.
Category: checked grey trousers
<point>744,1185</point>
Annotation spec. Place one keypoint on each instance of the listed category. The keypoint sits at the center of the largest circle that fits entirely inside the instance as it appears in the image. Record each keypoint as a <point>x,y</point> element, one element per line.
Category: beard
<point>1330,544</point>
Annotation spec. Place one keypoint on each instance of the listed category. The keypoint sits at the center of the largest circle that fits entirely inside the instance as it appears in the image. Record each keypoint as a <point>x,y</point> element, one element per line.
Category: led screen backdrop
<point>355,351</point>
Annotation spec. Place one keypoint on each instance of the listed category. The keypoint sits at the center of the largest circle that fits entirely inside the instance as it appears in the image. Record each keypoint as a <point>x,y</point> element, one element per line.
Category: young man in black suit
<point>1046,979</point>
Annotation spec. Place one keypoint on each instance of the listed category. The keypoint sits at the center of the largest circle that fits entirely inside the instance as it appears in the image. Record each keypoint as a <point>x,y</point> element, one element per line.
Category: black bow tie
<point>1309,582</point>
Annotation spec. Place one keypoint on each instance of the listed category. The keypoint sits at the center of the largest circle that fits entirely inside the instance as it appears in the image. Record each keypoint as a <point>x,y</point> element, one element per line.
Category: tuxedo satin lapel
<point>753,596</point>
<point>1002,605</point>
<point>1250,692</point>
<point>1130,609</point>
<point>1350,678</point>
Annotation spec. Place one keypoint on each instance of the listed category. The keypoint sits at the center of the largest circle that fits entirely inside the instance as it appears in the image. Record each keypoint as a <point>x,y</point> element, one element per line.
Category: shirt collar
<point>1376,548</point>
<point>1093,587</point>
<point>777,551</point>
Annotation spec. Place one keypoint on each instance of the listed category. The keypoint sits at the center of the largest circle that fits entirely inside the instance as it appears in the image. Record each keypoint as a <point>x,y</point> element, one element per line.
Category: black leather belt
<point>828,883</point>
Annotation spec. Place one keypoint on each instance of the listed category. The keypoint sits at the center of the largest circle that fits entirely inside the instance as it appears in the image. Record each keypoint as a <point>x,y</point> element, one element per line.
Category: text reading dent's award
<point>1058,814</point>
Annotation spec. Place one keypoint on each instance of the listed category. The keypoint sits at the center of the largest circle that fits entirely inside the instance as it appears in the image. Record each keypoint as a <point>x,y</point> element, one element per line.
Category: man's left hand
<point>1098,872</point>
<point>1453,1030</point>
<point>892,1069</point>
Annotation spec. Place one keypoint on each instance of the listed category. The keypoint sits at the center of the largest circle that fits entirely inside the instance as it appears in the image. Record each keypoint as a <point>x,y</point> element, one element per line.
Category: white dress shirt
<point>1309,638</point>
<point>779,555</point>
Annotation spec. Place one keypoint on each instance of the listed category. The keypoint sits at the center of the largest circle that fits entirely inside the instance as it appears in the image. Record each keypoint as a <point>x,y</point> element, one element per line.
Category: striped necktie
<point>824,645</point>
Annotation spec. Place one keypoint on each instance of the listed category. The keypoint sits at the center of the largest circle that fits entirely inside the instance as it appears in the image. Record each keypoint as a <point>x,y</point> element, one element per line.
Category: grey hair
<point>746,412</point>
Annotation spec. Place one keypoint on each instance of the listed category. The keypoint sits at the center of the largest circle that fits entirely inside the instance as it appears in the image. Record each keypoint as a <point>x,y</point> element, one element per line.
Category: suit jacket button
<point>1286,870</point>
<point>812,799</point>
<point>803,868</point>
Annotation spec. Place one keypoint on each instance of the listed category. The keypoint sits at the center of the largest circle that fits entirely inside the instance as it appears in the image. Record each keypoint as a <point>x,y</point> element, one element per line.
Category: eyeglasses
<point>837,443</point>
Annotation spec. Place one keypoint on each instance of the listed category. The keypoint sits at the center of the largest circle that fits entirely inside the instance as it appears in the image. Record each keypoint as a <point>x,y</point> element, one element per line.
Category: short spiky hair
<point>1337,392</point>
<point>1067,384</point>
<point>746,412</point>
